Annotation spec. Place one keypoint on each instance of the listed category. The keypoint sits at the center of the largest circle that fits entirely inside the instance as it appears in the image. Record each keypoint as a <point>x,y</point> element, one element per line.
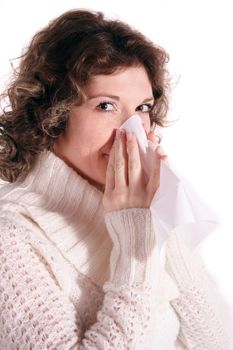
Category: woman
<point>80,267</point>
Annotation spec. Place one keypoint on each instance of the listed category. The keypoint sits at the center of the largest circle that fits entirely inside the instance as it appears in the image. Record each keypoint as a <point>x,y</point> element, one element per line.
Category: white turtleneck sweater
<point>75,277</point>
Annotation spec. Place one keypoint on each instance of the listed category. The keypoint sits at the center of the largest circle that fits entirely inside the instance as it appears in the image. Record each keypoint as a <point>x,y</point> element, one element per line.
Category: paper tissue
<point>176,207</point>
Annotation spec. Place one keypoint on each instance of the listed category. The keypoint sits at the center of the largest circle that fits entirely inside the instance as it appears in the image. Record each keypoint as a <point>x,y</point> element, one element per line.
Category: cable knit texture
<point>74,277</point>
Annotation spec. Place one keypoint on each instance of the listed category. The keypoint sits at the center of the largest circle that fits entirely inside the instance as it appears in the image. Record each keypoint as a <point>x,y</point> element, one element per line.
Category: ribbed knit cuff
<point>182,265</point>
<point>134,257</point>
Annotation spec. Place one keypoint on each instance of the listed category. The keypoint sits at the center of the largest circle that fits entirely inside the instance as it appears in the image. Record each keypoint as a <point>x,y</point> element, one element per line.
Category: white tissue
<point>175,206</point>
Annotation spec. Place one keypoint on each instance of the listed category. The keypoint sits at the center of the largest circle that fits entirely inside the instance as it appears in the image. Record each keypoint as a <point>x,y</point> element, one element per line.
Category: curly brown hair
<point>55,66</point>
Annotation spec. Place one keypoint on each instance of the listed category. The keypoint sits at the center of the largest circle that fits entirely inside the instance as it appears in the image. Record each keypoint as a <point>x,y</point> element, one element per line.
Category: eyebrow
<point>116,97</point>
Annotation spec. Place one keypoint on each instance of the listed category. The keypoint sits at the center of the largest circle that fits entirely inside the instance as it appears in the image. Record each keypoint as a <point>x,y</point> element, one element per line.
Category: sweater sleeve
<point>36,314</point>
<point>199,305</point>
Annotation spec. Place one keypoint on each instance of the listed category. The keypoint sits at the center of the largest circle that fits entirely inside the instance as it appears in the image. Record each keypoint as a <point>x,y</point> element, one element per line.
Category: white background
<point>198,37</point>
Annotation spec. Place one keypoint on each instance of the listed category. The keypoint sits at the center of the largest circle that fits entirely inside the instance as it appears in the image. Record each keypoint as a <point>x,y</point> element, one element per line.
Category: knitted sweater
<point>75,277</point>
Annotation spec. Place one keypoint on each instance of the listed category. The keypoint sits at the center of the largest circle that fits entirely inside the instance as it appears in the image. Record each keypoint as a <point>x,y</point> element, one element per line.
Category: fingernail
<point>160,151</point>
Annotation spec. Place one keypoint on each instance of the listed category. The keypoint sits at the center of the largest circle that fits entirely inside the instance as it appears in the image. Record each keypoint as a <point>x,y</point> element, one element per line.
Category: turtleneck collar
<point>70,212</point>
<point>61,187</point>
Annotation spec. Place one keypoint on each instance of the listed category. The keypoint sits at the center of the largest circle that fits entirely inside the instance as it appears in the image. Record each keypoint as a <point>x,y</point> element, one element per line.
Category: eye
<point>105,106</point>
<point>146,107</point>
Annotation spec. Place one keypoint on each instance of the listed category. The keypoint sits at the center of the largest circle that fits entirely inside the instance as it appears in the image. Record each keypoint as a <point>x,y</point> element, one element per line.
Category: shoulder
<point>17,241</point>
<point>11,225</point>
<point>13,240</point>
<point>15,219</point>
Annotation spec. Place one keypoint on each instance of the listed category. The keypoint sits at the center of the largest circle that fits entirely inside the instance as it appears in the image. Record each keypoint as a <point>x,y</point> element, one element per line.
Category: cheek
<point>100,138</point>
<point>79,133</point>
<point>89,141</point>
<point>89,133</point>
<point>146,123</point>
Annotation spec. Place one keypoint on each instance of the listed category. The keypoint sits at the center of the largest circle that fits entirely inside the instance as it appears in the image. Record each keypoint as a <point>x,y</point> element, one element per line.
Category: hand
<point>125,185</point>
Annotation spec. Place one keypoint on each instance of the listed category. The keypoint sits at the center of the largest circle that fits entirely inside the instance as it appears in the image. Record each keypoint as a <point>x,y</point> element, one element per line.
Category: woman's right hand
<point>125,185</point>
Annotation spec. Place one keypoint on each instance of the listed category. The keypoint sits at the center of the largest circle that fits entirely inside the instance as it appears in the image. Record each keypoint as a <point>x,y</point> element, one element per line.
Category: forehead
<point>130,78</point>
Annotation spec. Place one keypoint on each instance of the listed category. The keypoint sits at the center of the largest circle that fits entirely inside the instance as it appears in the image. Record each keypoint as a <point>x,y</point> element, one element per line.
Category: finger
<point>161,154</point>
<point>154,179</point>
<point>120,160</point>
<point>110,173</point>
<point>165,159</point>
<point>134,161</point>
<point>156,139</point>
<point>152,138</point>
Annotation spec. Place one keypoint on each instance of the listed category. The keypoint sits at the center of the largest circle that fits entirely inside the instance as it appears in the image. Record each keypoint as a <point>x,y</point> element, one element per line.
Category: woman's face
<point>110,101</point>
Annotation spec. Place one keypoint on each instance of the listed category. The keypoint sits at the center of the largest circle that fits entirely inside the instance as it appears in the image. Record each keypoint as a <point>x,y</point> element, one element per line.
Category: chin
<point>99,182</point>
<point>98,179</point>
